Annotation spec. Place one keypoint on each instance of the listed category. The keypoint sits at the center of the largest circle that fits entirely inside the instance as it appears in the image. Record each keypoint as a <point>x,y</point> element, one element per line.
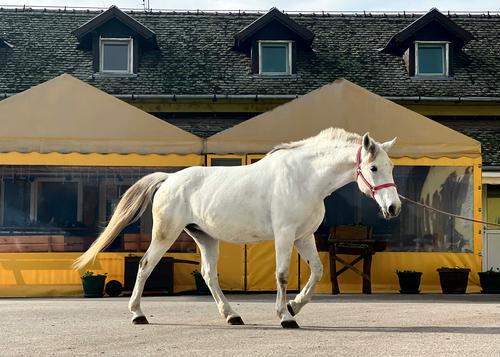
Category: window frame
<point>289,48</point>
<point>34,196</point>
<point>446,59</point>
<point>110,40</point>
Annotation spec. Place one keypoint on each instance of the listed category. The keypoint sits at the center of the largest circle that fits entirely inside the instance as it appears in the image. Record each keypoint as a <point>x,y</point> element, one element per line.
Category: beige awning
<point>67,115</point>
<point>345,105</point>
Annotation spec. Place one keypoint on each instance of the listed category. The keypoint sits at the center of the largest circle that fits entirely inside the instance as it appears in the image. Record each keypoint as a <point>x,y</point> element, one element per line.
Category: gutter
<point>444,99</point>
<point>216,97</point>
<point>492,169</point>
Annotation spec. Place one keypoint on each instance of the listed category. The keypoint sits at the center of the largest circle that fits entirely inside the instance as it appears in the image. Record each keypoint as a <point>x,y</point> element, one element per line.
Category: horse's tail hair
<point>130,208</point>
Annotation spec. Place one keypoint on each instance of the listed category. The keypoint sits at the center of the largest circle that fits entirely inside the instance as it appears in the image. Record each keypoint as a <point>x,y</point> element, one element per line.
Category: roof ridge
<point>354,13</point>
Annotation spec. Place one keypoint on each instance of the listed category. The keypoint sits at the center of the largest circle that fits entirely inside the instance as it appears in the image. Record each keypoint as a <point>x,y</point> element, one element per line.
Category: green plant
<point>89,273</point>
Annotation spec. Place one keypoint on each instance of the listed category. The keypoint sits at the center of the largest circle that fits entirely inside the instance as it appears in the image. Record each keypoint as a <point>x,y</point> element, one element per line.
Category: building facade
<point>206,72</point>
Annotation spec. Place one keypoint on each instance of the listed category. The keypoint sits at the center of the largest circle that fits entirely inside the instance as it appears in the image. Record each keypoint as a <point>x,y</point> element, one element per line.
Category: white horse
<point>278,198</point>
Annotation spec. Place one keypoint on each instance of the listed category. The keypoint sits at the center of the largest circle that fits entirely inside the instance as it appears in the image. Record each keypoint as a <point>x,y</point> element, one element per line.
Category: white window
<point>116,55</point>
<point>275,57</point>
<point>431,58</point>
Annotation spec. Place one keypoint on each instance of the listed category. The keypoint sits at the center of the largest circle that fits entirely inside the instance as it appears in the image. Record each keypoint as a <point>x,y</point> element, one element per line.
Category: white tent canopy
<point>345,105</point>
<point>67,115</point>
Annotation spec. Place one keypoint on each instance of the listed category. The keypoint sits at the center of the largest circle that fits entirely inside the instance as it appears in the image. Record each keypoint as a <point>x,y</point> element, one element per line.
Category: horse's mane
<point>340,136</point>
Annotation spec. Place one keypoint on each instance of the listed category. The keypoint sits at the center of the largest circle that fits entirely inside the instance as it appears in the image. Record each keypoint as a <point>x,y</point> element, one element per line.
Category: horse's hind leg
<point>209,249</point>
<point>307,249</point>
<point>162,238</point>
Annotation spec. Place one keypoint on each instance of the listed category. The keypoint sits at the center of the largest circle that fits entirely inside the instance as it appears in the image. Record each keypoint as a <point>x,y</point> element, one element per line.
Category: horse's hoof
<point>140,320</point>
<point>235,320</point>
<point>290,309</point>
<point>290,324</point>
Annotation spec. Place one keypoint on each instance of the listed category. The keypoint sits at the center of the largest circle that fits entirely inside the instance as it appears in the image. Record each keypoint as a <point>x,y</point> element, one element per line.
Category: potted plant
<point>453,280</point>
<point>93,284</point>
<point>490,281</point>
<point>409,281</point>
<point>201,286</point>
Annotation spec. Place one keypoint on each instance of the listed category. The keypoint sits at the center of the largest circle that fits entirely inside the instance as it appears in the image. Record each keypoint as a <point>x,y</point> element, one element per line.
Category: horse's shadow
<point>372,329</point>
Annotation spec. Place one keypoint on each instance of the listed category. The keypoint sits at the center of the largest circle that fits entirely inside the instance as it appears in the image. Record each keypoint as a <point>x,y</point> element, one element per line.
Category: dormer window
<point>116,41</point>
<point>116,55</point>
<point>274,41</point>
<point>431,58</point>
<point>275,57</point>
<point>429,45</point>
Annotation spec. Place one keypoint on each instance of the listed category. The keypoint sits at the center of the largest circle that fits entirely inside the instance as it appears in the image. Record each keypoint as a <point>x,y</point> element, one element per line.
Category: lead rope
<point>447,213</point>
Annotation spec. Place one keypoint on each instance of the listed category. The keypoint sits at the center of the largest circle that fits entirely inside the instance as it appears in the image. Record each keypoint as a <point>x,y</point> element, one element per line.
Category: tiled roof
<point>486,130</point>
<point>195,55</point>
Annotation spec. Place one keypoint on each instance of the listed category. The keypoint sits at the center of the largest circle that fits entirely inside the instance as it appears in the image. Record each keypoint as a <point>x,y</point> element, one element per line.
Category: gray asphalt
<point>345,325</point>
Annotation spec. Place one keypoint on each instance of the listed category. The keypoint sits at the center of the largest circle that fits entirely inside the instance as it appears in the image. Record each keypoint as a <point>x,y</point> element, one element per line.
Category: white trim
<point>446,58</point>
<point>289,49</point>
<point>130,62</point>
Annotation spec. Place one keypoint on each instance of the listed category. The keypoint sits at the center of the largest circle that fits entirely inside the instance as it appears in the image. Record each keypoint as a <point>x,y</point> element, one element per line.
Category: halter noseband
<point>373,189</point>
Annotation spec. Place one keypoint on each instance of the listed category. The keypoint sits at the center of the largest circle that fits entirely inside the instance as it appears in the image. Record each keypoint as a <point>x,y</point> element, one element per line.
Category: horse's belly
<point>237,233</point>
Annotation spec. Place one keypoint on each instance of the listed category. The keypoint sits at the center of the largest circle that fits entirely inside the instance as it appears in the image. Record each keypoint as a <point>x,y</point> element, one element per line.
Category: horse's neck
<point>333,169</point>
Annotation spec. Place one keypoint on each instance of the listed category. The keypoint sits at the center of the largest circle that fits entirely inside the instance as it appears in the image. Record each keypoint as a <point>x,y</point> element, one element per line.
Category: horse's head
<point>374,175</point>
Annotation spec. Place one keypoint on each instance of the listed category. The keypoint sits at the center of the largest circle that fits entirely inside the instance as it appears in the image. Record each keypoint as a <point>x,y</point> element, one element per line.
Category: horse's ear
<point>388,144</point>
<point>369,145</point>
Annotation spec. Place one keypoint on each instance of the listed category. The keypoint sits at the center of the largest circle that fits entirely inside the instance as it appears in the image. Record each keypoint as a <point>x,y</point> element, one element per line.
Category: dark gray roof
<point>195,55</point>
<point>486,130</point>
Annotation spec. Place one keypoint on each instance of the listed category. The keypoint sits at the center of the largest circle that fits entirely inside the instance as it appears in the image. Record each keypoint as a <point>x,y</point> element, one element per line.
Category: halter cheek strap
<point>373,189</point>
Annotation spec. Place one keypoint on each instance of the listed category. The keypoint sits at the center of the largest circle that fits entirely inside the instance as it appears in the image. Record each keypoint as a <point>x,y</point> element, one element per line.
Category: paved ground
<point>350,325</point>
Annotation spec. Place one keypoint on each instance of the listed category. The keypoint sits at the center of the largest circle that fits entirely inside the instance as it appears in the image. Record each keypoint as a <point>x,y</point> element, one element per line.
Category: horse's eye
<point>373,168</point>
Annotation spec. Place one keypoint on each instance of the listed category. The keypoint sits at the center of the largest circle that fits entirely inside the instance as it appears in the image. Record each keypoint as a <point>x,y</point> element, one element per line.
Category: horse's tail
<point>130,208</point>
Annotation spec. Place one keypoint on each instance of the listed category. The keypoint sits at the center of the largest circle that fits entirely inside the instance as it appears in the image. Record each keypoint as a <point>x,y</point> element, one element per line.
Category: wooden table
<point>363,249</point>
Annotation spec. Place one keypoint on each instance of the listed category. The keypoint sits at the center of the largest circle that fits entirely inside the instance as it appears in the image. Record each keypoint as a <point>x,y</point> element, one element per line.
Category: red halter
<point>373,189</point>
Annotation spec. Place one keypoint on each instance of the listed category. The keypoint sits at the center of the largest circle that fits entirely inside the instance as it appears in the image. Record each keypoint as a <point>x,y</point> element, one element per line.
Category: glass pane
<point>57,204</point>
<point>416,229</point>
<point>16,202</point>
<point>115,57</point>
<point>61,194</point>
<point>274,58</point>
<point>431,59</point>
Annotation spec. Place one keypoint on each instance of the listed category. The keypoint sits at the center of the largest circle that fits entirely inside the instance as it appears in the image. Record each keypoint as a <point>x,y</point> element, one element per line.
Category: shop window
<point>116,55</point>
<point>415,229</point>
<point>431,58</point>
<point>275,57</point>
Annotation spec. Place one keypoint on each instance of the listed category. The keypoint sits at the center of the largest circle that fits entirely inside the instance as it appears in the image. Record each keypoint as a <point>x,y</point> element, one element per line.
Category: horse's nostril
<point>392,209</point>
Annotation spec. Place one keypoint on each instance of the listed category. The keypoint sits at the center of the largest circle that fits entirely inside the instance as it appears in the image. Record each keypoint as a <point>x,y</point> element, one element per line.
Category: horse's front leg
<point>307,249</point>
<point>283,247</point>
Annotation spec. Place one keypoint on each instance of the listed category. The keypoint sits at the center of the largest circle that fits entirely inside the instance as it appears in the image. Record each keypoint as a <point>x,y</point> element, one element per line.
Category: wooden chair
<point>352,240</point>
